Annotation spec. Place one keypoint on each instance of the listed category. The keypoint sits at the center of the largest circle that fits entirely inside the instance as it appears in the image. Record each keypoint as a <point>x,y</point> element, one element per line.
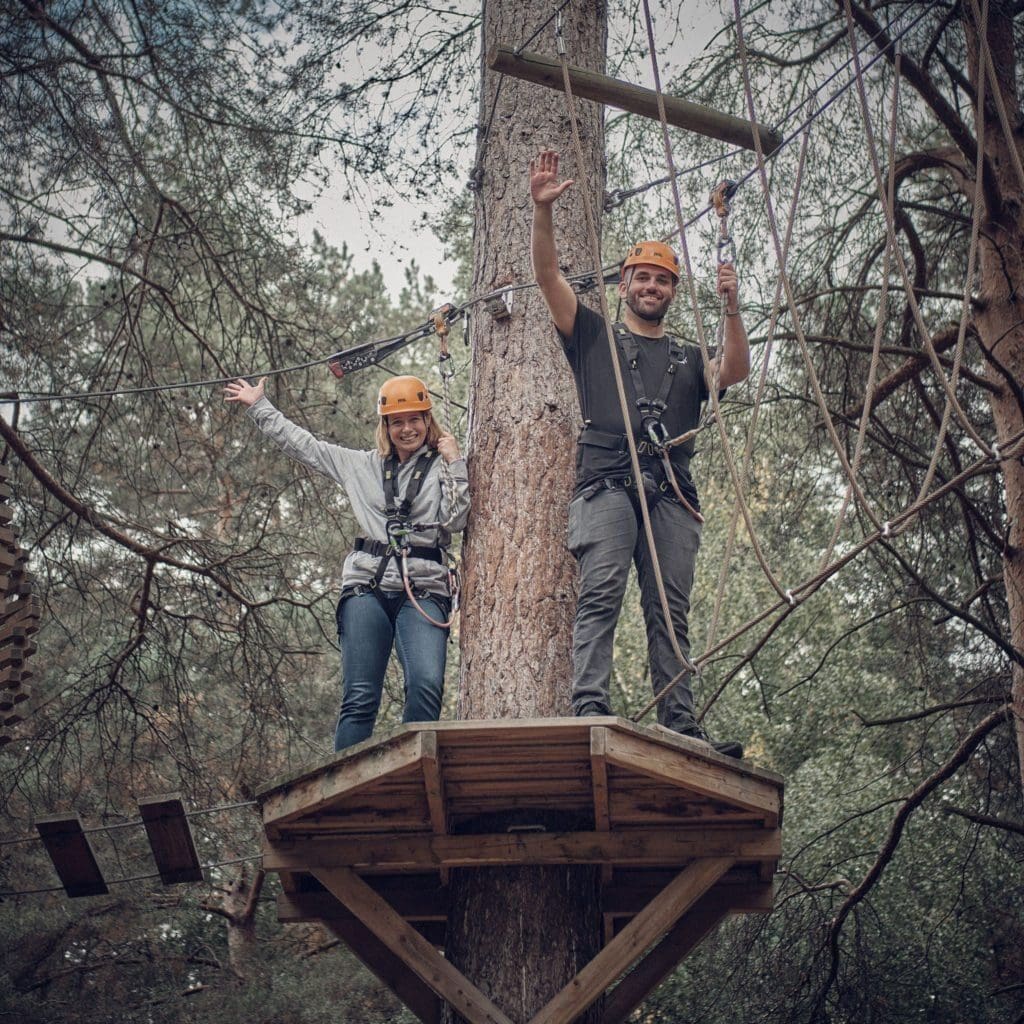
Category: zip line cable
<point>132,878</point>
<point>584,280</point>
<point>134,823</point>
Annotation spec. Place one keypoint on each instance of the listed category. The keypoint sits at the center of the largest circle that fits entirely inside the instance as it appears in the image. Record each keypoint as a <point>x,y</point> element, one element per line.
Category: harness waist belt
<point>379,550</point>
<point>615,442</point>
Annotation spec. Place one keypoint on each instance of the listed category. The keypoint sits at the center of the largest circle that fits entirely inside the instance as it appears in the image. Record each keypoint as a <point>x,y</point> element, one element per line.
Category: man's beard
<point>651,317</point>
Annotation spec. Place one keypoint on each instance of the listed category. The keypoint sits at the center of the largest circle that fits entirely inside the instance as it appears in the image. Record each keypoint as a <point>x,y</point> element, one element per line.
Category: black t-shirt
<point>590,360</point>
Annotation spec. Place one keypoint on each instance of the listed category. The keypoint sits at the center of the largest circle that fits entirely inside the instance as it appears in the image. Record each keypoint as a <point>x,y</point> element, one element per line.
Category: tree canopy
<point>159,156</point>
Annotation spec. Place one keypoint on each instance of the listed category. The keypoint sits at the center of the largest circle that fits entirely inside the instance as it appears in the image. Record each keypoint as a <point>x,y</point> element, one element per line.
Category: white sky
<point>399,230</point>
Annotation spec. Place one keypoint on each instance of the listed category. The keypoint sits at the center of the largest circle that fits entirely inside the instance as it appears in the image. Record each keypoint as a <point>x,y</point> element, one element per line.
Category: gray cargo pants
<point>605,535</point>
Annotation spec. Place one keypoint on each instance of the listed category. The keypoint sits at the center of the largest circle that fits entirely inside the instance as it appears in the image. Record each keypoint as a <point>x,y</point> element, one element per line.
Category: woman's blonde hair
<point>386,448</point>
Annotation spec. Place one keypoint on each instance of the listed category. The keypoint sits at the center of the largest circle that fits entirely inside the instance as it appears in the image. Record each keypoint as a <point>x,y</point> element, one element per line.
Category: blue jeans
<point>366,632</point>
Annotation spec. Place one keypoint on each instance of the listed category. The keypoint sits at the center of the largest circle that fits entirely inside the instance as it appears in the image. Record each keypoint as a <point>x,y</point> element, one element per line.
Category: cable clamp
<point>886,529</point>
<point>995,452</point>
<point>791,598</point>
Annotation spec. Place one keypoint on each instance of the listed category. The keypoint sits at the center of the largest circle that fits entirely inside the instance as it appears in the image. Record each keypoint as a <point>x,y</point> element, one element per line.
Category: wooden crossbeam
<point>645,929</point>
<point>170,839</point>
<point>413,897</point>
<point>410,947</point>
<point>72,854</point>
<point>634,846</point>
<point>547,71</point>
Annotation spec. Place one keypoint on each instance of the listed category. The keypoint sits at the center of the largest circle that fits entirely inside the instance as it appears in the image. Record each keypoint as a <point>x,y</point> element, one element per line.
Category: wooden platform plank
<point>655,847</point>
<point>599,777</point>
<point>341,778</point>
<point>695,773</point>
<point>410,947</point>
<point>646,928</point>
<point>434,785</point>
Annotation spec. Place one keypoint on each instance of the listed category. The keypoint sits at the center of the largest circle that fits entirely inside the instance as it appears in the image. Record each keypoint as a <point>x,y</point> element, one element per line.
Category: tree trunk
<point>1000,312</point>
<point>521,934</point>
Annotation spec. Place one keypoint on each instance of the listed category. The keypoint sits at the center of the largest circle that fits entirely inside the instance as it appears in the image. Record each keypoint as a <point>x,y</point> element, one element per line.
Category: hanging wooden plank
<point>547,71</point>
<point>72,854</point>
<point>170,838</point>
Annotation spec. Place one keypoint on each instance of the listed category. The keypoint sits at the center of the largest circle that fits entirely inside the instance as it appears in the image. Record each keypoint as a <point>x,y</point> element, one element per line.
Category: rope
<point>762,384</point>
<point>883,309</point>
<point>620,387</point>
<point>948,385</point>
<point>888,529</point>
<point>695,307</point>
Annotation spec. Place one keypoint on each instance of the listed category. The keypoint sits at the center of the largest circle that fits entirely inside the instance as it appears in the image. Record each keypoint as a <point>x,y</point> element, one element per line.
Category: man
<point>605,529</point>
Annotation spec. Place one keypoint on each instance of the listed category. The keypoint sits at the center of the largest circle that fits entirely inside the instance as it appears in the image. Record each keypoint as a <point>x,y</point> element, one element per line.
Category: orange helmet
<point>656,254</point>
<point>403,394</point>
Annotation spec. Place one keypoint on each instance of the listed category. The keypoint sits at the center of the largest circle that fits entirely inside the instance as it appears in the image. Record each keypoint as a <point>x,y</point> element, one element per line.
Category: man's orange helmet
<point>403,394</point>
<point>655,254</point>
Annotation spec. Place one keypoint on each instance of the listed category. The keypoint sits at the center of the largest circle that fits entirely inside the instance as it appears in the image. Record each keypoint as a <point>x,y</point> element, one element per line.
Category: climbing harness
<point>653,440</point>
<point>397,547</point>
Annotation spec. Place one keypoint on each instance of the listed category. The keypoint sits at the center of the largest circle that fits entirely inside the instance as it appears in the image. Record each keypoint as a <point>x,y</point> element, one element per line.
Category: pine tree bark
<point>999,312</point>
<point>521,934</point>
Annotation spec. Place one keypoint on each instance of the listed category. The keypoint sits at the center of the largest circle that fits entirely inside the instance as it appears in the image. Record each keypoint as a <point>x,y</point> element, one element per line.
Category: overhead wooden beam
<point>547,71</point>
<point>628,846</point>
<point>645,929</point>
<point>72,854</point>
<point>410,947</point>
<point>170,838</point>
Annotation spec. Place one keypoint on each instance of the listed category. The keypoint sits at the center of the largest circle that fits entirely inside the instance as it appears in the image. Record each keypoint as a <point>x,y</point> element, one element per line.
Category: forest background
<point>159,160</point>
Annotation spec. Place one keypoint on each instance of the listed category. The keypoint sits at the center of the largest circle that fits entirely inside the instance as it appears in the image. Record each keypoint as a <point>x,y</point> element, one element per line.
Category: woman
<point>396,496</point>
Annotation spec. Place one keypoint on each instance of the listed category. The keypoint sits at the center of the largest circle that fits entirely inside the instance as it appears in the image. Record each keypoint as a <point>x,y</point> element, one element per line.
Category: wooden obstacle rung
<point>72,854</point>
<point>546,71</point>
<point>170,838</point>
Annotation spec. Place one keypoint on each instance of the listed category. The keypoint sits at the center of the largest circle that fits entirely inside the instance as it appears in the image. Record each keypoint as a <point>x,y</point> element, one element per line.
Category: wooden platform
<point>365,842</point>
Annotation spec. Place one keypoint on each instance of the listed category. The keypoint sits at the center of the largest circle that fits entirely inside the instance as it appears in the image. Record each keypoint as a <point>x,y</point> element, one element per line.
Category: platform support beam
<point>409,946</point>
<point>389,969</point>
<point>687,933</point>
<point>547,71</point>
<point>645,929</point>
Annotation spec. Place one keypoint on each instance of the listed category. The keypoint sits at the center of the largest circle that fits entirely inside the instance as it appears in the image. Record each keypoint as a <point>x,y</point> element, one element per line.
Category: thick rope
<point>620,386</point>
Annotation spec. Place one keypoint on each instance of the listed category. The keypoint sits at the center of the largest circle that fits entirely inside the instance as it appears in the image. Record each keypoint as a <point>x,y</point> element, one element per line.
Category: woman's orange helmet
<point>403,394</point>
<point>656,254</point>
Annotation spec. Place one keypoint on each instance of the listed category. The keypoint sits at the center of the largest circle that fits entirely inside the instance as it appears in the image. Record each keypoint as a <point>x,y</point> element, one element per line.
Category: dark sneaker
<point>591,710</point>
<point>730,748</point>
